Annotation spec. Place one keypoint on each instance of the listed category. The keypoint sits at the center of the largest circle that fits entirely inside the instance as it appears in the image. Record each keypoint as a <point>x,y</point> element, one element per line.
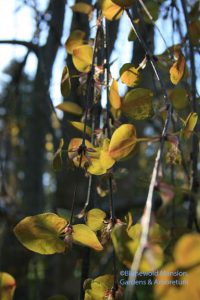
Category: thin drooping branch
<point>111,198</point>
<point>192,218</point>
<point>146,218</point>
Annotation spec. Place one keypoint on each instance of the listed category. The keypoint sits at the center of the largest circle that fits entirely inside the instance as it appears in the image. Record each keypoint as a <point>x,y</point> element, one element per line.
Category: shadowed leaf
<point>75,39</point>
<point>178,68</point>
<point>129,75</point>
<point>82,7</point>
<point>137,104</point>
<point>80,126</point>
<point>70,107</point>
<point>57,159</point>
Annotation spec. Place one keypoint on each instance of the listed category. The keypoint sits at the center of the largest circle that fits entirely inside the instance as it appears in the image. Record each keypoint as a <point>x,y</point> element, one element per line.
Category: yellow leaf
<point>75,39</point>
<point>110,10</point>
<point>187,251</point>
<point>82,234</point>
<point>99,287</point>
<point>103,162</point>
<point>114,97</point>
<point>70,107</point>
<point>129,75</point>
<point>124,3</point>
<point>80,127</point>
<point>82,58</point>
<point>65,83</point>
<point>123,141</point>
<point>7,286</point>
<point>82,7</point>
<point>57,159</point>
<point>95,218</point>
<point>41,233</point>
<point>179,98</point>
<point>137,104</point>
<point>178,68</point>
<point>190,124</point>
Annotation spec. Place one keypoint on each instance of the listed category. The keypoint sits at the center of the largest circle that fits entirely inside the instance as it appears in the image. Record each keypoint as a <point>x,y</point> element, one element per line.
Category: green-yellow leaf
<point>75,39</point>
<point>41,233</point>
<point>82,58</point>
<point>7,286</point>
<point>70,107</point>
<point>178,98</point>
<point>114,97</point>
<point>99,288</point>
<point>57,159</point>
<point>80,126</point>
<point>137,104</point>
<point>123,141</point>
<point>187,251</point>
<point>129,75</point>
<point>82,234</point>
<point>95,218</point>
<point>82,7</point>
<point>65,83</point>
<point>110,10</point>
<point>178,68</point>
<point>190,124</point>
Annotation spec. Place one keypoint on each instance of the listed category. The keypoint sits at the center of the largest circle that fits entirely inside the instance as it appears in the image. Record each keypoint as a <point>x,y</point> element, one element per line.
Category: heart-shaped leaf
<point>95,218</point>
<point>137,104</point>
<point>41,233</point>
<point>82,234</point>
<point>110,10</point>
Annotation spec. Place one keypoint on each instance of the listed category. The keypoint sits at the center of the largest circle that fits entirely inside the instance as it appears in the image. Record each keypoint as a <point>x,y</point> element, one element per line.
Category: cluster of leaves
<point>49,233</point>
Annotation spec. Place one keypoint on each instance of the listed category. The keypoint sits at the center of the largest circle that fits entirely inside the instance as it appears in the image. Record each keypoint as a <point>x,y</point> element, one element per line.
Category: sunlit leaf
<point>82,7</point>
<point>70,107</point>
<point>75,39</point>
<point>82,234</point>
<point>65,83</point>
<point>103,162</point>
<point>114,97</point>
<point>98,288</point>
<point>124,3</point>
<point>187,250</point>
<point>137,104</point>
<point>123,141</point>
<point>57,159</point>
<point>110,10</point>
<point>82,58</point>
<point>178,68</point>
<point>190,124</point>
<point>80,127</point>
<point>178,98</point>
<point>41,233</point>
<point>129,75</point>
<point>95,218</point>
<point>7,286</point>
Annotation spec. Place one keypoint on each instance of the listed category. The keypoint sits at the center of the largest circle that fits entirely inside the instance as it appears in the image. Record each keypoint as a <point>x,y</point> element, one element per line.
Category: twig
<point>28,45</point>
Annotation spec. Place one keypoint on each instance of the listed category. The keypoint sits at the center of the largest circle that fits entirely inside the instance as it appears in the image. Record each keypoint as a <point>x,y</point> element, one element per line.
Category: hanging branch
<point>194,185</point>
<point>111,199</point>
<point>146,219</point>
